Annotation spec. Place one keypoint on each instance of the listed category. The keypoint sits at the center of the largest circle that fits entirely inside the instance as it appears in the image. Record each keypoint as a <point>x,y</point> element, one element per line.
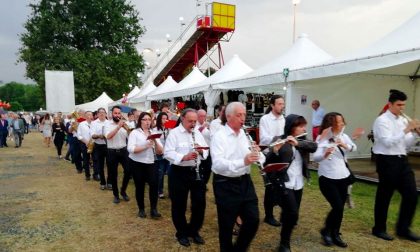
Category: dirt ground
<point>46,206</point>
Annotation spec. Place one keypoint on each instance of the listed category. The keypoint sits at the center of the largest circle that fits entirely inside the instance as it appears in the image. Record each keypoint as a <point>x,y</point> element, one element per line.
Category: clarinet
<point>258,163</point>
<point>153,147</point>
<point>197,166</point>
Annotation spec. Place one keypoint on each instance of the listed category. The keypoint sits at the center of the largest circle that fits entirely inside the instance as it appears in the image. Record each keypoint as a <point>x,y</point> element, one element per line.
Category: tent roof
<point>169,83</point>
<point>190,80</point>
<point>234,68</point>
<point>102,101</point>
<point>303,53</point>
<point>397,53</point>
<point>144,91</point>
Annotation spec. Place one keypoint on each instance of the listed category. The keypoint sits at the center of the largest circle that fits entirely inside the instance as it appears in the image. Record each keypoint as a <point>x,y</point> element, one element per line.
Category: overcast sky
<point>263,27</point>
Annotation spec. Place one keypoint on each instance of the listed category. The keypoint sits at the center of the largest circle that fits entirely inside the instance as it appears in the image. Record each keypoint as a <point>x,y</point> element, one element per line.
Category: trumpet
<point>197,166</point>
<point>417,129</point>
<point>258,163</point>
<point>282,141</point>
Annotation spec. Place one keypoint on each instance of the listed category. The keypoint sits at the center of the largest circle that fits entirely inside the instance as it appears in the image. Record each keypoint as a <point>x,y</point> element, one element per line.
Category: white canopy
<point>196,76</point>
<point>169,83</point>
<point>139,100</point>
<point>303,53</point>
<point>102,101</point>
<point>130,95</point>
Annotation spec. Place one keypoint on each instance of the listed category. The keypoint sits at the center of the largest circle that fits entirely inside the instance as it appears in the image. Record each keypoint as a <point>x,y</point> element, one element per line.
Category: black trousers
<point>395,174</point>
<point>58,142</point>
<point>85,158</point>
<point>181,181</point>
<point>270,200</point>
<point>290,212</point>
<point>115,157</point>
<point>236,197</point>
<point>335,191</point>
<point>142,174</point>
<point>99,155</point>
<point>76,155</point>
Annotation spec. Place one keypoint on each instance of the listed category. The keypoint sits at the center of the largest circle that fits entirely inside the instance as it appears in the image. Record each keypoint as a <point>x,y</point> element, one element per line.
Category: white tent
<point>169,83</point>
<point>102,101</point>
<point>303,53</point>
<point>192,79</point>
<point>130,95</point>
<point>139,101</point>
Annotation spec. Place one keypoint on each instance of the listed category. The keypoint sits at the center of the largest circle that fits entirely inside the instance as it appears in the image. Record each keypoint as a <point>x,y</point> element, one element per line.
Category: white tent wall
<point>359,97</point>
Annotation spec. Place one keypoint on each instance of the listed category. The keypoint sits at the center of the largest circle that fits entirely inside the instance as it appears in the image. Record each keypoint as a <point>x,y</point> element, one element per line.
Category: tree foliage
<point>22,97</point>
<point>94,38</point>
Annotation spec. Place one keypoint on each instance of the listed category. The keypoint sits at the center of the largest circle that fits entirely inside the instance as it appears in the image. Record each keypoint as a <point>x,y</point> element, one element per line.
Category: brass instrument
<point>90,146</point>
<point>153,147</point>
<point>197,166</point>
<point>417,129</point>
<point>74,124</point>
<point>258,163</point>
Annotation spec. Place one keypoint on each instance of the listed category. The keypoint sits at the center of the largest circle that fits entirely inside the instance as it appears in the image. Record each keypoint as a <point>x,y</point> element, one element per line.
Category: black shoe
<point>109,186</point>
<point>409,236</point>
<point>271,221</point>
<point>96,178</point>
<point>79,171</point>
<point>337,241</point>
<point>184,241</point>
<point>87,178</point>
<point>326,237</point>
<point>197,239</point>
<point>383,235</point>
<point>141,214</point>
<point>155,214</point>
<point>125,197</point>
<point>103,187</point>
<point>284,248</point>
<point>116,200</point>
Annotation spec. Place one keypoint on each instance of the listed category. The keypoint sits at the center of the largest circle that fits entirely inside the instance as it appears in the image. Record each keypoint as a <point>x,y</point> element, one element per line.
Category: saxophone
<point>74,124</point>
<point>90,146</point>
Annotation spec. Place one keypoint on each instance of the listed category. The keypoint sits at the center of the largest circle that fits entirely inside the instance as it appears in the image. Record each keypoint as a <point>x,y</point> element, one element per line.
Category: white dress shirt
<point>228,151</point>
<point>390,139</point>
<point>205,132</point>
<point>120,138</point>
<point>271,126</point>
<point>334,166</point>
<point>179,143</point>
<point>138,138</point>
<point>294,172</point>
<point>317,116</point>
<point>98,128</point>
<point>215,125</point>
<point>83,131</point>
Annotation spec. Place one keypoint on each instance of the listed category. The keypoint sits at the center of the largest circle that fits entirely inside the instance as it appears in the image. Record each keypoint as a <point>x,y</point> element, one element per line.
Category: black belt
<point>219,177</point>
<point>118,150</point>
<point>392,156</point>
<point>184,167</point>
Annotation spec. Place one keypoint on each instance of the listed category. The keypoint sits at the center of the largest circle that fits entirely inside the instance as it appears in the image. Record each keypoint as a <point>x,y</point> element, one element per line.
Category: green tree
<point>22,97</point>
<point>94,38</point>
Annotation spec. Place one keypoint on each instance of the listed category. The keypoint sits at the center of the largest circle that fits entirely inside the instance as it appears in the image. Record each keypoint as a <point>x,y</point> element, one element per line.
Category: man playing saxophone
<point>83,135</point>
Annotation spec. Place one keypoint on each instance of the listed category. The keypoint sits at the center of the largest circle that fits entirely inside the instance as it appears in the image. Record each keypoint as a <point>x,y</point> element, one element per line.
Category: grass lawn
<point>46,206</point>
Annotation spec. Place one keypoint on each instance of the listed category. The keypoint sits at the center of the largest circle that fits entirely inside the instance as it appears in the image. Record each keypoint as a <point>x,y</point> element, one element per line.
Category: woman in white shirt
<point>333,173</point>
<point>142,157</point>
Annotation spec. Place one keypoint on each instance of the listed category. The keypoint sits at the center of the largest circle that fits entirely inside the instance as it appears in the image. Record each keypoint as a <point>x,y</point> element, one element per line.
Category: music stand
<point>275,167</point>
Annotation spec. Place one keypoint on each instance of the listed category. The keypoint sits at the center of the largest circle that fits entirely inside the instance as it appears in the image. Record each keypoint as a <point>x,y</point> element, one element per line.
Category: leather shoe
<point>383,235</point>
<point>141,214</point>
<point>197,239</point>
<point>284,248</point>
<point>116,200</point>
<point>125,197</point>
<point>271,221</point>
<point>409,236</point>
<point>326,237</point>
<point>184,241</point>
<point>155,214</point>
<point>337,241</point>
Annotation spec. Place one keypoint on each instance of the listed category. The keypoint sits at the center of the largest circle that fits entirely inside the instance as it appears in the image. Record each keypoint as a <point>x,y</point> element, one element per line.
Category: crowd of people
<point>148,146</point>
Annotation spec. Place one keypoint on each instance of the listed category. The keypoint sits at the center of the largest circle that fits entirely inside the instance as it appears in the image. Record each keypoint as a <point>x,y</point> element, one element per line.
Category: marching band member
<point>271,125</point>
<point>288,185</point>
<point>184,177</point>
<point>116,136</point>
<point>203,127</point>
<point>97,131</point>
<point>216,124</point>
<point>142,154</point>
<point>163,163</point>
<point>334,176</point>
<point>83,135</point>
<point>233,188</point>
<point>393,135</point>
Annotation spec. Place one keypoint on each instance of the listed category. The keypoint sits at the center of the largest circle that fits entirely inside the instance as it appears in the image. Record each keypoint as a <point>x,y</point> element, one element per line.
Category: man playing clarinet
<point>233,188</point>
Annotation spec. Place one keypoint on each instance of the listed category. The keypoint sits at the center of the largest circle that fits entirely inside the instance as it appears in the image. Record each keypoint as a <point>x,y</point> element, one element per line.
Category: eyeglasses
<point>146,119</point>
